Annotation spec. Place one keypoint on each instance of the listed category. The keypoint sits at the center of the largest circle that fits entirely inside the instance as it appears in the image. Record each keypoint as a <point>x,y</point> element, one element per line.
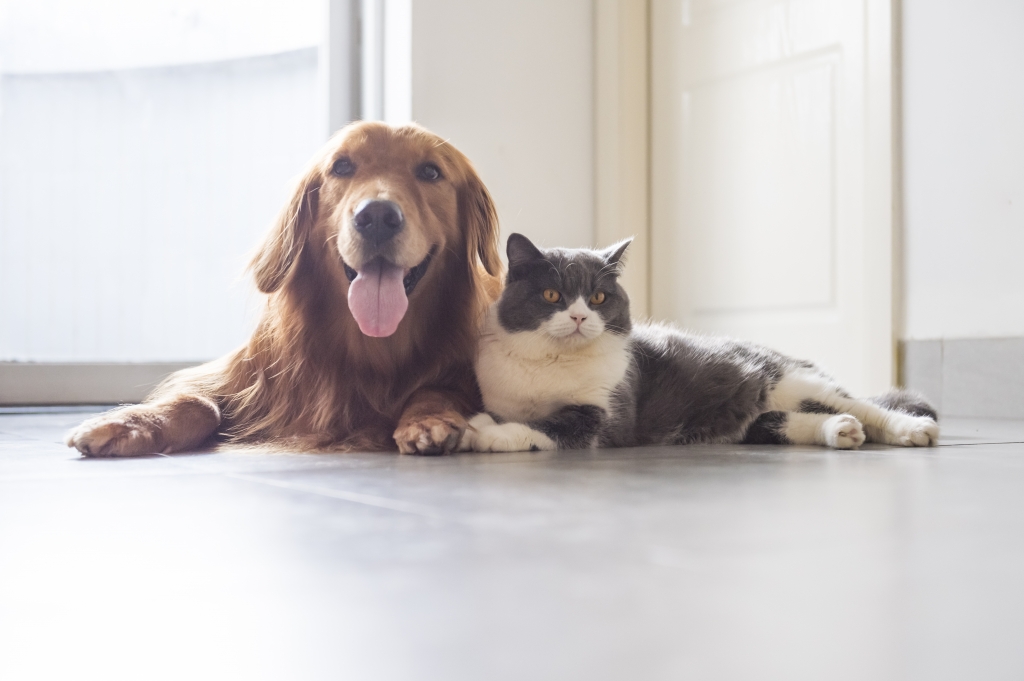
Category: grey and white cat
<point>561,366</point>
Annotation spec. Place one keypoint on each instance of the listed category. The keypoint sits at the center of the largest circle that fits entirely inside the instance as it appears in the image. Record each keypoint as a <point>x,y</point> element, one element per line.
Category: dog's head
<point>389,202</point>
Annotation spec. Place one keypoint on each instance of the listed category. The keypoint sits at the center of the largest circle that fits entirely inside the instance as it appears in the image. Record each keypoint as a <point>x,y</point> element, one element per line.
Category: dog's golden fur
<point>309,378</point>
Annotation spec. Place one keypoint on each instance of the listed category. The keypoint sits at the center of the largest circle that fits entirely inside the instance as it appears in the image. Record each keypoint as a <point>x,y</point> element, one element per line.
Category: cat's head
<point>569,295</point>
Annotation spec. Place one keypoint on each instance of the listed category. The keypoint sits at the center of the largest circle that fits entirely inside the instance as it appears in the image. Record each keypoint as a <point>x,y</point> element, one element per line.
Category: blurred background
<point>841,179</point>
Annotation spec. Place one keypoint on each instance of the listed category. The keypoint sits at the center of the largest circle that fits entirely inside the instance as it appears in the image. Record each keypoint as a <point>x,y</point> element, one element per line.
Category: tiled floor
<point>648,564</point>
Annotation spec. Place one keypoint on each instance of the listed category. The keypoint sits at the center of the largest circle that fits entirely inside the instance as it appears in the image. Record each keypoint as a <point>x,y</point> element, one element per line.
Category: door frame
<point>622,138</point>
<point>884,195</point>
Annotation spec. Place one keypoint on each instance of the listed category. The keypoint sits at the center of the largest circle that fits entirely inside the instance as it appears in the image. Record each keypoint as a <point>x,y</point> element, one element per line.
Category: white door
<point>771,177</point>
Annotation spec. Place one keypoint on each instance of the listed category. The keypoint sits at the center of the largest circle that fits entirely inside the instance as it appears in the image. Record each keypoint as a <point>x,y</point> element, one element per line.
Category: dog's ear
<point>479,222</point>
<point>283,245</point>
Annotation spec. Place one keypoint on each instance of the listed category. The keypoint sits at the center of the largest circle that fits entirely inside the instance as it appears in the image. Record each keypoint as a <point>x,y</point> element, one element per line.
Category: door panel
<point>758,176</point>
<point>766,138</point>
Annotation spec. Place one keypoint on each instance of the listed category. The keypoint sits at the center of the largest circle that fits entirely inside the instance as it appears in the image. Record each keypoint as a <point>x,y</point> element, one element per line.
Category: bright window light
<point>145,147</point>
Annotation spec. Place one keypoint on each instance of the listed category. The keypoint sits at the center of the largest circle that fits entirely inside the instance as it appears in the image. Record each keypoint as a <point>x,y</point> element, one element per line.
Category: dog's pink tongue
<point>376,298</point>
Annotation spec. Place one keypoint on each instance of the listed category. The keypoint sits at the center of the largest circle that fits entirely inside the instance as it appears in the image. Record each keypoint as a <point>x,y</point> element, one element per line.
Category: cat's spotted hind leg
<point>838,431</point>
<point>895,428</point>
<point>904,430</point>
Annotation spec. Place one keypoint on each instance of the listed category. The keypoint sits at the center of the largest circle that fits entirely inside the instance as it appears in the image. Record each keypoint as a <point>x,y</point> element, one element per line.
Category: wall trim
<point>42,383</point>
<point>621,138</point>
<point>967,377</point>
<point>340,72</point>
<point>882,273</point>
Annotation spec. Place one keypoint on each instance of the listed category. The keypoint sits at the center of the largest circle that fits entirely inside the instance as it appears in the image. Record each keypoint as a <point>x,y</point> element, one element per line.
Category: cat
<point>561,366</point>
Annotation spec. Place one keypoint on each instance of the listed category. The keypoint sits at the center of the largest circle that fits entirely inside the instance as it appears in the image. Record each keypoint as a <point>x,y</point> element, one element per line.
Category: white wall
<point>510,83</point>
<point>964,168</point>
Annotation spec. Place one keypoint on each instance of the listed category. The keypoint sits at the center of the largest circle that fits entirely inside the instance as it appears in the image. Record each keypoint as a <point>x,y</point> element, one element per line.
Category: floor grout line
<point>353,497</point>
<point>978,444</point>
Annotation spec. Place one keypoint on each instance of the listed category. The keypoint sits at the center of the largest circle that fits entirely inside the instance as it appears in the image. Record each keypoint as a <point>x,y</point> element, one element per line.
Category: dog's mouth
<point>378,295</point>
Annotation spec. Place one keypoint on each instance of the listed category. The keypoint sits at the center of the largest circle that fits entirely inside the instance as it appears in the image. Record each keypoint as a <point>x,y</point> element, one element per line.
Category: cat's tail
<point>907,402</point>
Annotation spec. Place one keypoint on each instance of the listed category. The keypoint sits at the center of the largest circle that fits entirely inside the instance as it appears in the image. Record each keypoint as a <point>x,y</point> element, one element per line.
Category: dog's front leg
<point>174,424</point>
<point>432,422</point>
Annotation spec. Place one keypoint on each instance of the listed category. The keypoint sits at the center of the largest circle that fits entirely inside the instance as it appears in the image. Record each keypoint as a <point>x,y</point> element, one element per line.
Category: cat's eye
<point>551,295</point>
<point>597,298</point>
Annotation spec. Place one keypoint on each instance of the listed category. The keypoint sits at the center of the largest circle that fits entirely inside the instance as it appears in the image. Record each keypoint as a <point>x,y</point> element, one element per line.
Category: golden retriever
<point>377,273</point>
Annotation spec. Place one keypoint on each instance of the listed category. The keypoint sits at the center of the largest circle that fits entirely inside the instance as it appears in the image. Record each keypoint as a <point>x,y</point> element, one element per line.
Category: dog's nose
<point>378,220</point>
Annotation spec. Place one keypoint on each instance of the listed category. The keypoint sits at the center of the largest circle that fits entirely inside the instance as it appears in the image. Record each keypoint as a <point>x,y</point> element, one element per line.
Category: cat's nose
<point>578,318</point>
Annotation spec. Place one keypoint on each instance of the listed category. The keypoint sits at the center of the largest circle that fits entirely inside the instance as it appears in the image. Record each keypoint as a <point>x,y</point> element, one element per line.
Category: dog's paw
<point>843,432</point>
<point>510,437</point>
<point>913,431</point>
<point>124,432</point>
<point>430,435</point>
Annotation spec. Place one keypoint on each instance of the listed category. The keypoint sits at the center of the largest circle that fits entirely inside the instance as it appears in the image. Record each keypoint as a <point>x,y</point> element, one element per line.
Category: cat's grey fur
<point>575,373</point>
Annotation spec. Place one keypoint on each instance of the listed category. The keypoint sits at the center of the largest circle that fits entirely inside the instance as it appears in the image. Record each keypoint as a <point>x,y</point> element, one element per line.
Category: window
<point>144,148</point>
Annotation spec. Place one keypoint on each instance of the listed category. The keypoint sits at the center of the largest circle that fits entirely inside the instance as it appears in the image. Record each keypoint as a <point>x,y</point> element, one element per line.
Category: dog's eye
<point>428,172</point>
<point>343,167</point>
<point>597,298</point>
<point>551,295</point>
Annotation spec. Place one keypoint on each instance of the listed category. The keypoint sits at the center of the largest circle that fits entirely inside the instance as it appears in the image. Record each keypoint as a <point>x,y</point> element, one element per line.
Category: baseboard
<point>29,383</point>
<point>970,377</point>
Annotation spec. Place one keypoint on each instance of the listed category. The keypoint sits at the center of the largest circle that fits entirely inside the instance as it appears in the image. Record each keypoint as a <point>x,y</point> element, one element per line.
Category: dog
<point>377,273</point>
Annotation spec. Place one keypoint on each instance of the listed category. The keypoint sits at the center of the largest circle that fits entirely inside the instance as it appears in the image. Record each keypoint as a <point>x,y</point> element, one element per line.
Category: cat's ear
<point>521,250</point>
<point>613,255</point>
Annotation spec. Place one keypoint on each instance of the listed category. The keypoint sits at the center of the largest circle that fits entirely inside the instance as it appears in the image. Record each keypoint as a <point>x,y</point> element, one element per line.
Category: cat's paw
<point>477,423</point>
<point>913,431</point>
<point>511,437</point>
<point>843,431</point>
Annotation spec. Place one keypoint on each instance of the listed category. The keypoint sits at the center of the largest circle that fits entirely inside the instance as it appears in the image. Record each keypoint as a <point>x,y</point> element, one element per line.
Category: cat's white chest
<point>523,377</point>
